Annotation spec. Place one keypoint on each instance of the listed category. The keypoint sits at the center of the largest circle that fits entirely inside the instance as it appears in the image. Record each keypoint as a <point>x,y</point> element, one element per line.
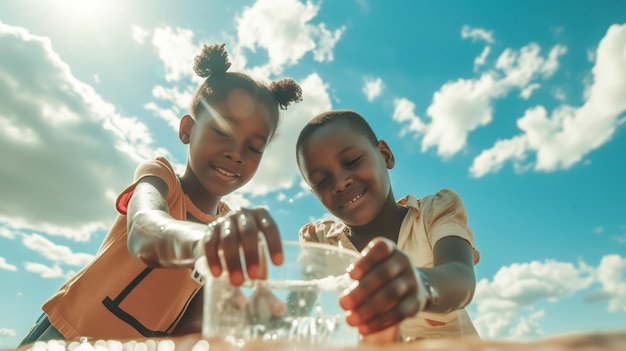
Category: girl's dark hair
<point>212,63</point>
<point>355,121</point>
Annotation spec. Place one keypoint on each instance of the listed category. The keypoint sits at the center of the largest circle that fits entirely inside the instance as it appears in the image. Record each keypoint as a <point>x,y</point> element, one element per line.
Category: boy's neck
<point>386,224</point>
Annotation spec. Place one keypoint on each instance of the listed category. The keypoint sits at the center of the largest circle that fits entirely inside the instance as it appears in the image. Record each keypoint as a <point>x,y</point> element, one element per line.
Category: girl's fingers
<point>229,242</point>
<point>269,229</point>
<point>211,247</point>
<point>249,237</point>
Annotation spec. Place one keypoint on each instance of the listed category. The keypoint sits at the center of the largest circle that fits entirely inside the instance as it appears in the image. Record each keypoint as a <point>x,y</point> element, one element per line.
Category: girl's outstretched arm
<point>158,240</point>
<point>154,236</point>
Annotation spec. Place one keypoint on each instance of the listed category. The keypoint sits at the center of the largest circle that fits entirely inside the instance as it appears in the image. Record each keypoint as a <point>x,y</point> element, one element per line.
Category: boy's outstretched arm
<point>390,289</point>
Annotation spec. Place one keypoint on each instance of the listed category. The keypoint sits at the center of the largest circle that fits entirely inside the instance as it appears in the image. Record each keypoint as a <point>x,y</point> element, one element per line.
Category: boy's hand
<point>387,289</point>
<point>241,228</point>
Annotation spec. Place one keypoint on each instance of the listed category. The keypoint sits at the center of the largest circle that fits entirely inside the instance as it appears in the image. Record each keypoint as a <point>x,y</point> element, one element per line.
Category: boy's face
<point>346,172</point>
<point>226,144</point>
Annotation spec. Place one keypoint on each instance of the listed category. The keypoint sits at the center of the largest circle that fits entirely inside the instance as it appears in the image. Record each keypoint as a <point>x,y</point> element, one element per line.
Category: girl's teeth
<point>225,172</point>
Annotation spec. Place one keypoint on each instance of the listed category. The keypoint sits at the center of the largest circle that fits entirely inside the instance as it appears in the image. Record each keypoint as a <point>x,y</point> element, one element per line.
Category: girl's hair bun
<point>286,91</point>
<point>212,61</point>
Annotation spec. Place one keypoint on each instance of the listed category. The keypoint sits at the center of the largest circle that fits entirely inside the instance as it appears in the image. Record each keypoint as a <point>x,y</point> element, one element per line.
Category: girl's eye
<point>255,150</point>
<point>219,132</point>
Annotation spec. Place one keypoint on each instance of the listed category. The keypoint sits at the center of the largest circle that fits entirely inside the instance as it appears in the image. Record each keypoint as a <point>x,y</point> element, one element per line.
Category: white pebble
<point>114,345</point>
<point>85,346</point>
<point>56,345</point>
<point>140,346</point>
<point>201,345</point>
<point>39,346</point>
<point>151,344</point>
<point>166,345</point>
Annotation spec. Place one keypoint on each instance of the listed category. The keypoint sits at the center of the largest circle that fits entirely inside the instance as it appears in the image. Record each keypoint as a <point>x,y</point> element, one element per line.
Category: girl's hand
<point>241,228</point>
<point>387,289</point>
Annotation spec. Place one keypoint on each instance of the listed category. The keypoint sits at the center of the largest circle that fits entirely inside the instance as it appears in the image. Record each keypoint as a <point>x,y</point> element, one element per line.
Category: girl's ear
<point>385,151</point>
<point>186,128</point>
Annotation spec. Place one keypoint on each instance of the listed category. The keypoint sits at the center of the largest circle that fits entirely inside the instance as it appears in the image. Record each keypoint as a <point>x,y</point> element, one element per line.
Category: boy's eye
<point>353,161</point>
<point>319,183</point>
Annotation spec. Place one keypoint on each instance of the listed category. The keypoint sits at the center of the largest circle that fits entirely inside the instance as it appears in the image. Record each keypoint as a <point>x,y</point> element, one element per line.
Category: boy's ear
<point>185,129</point>
<point>385,151</point>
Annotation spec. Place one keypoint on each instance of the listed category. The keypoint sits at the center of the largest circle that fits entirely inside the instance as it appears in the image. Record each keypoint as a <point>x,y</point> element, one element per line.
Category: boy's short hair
<point>355,121</point>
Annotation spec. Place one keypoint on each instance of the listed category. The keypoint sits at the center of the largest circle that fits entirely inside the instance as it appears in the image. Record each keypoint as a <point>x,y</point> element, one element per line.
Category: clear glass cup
<point>298,302</point>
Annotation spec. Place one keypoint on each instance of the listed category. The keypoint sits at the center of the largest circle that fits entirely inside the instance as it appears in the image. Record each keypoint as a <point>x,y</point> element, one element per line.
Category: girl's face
<point>346,172</point>
<point>226,144</point>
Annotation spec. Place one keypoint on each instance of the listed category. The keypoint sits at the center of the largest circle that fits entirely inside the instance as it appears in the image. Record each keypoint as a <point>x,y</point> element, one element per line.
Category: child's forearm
<point>453,283</point>
<point>158,240</point>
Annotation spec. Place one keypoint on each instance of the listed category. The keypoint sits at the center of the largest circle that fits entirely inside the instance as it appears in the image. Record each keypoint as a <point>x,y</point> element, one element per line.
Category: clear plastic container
<point>298,302</point>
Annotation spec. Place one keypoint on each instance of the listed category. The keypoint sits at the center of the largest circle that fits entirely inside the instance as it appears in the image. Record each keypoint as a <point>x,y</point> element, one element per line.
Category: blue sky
<point>518,106</point>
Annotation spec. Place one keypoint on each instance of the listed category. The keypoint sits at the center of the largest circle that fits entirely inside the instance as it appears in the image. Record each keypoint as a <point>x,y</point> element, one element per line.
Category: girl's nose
<point>234,155</point>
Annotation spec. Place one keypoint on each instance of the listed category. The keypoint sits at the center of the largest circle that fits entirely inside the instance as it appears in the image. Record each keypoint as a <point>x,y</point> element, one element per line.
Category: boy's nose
<point>341,185</point>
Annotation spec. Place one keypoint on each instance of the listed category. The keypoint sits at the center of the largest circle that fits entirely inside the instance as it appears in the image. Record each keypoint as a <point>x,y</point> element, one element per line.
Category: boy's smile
<point>346,172</point>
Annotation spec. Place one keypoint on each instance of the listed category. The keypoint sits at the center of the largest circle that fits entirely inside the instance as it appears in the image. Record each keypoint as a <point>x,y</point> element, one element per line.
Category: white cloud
<point>457,109</point>
<point>611,273</point>
<point>286,34</point>
<point>481,59</point>
<point>461,106</point>
<point>278,169</point>
<point>505,304</point>
<point>176,49</point>
<point>139,34</point>
<point>528,91</point>
<point>43,270</point>
<point>62,146</point>
<point>6,266</point>
<point>403,113</point>
<point>373,87</point>
<point>477,34</point>
<point>7,233</point>
<point>54,252</point>
<point>561,139</point>
<point>7,332</point>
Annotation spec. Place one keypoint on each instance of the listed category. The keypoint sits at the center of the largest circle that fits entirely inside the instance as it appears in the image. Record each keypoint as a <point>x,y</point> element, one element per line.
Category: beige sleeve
<point>316,231</point>
<point>445,215</point>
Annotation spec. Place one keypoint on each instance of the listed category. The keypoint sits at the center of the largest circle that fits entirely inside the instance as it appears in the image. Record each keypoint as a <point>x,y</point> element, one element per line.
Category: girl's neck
<point>198,195</point>
<point>386,224</point>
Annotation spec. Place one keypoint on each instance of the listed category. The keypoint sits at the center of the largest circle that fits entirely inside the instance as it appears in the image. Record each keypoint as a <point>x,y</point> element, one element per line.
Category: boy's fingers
<point>229,242</point>
<point>249,236</point>
<point>376,251</point>
<point>388,318</point>
<point>268,227</point>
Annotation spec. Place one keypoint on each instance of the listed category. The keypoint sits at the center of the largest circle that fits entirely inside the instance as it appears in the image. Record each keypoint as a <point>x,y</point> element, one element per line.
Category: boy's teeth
<point>353,200</point>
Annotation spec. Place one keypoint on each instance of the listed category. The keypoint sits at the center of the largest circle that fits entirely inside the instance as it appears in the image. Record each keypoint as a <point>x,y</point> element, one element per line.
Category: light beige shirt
<point>427,221</point>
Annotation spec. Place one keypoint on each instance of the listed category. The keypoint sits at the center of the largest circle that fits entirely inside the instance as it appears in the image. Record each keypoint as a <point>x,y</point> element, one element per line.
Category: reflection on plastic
<point>298,302</point>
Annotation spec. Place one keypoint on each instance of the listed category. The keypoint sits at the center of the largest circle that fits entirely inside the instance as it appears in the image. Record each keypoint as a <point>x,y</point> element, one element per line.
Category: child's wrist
<point>428,293</point>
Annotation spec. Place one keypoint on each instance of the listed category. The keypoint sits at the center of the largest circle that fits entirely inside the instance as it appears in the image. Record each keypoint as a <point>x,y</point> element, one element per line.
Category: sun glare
<point>84,11</point>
